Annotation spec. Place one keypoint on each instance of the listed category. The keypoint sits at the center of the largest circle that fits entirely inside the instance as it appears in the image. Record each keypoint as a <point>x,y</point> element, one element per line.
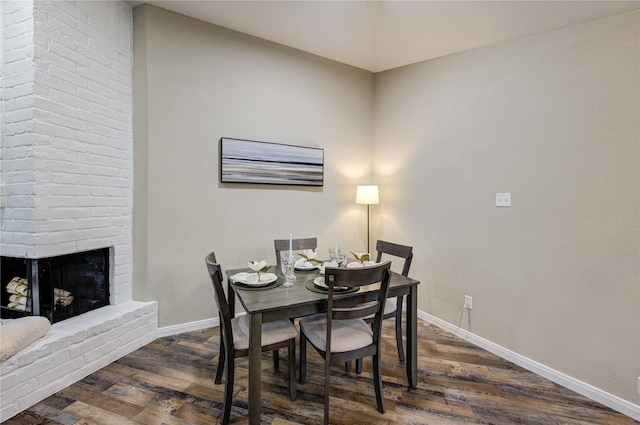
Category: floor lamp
<point>367,195</point>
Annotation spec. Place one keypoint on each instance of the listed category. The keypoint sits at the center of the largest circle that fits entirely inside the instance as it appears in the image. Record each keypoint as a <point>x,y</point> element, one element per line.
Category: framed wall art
<point>247,161</point>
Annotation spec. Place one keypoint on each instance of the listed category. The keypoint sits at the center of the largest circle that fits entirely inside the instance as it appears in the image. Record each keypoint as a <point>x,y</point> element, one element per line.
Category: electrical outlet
<point>503,199</point>
<point>468,302</point>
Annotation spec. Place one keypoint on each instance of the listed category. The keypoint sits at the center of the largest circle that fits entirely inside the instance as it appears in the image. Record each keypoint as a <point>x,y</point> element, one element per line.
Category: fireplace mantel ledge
<point>73,349</point>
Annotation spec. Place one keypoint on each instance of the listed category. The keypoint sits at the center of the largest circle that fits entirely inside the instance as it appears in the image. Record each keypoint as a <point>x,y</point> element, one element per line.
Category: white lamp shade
<point>367,195</point>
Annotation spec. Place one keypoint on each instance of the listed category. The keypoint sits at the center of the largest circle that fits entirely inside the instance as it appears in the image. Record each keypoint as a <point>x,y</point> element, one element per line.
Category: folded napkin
<point>251,278</point>
<point>359,264</point>
<point>304,264</point>
<point>239,277</point>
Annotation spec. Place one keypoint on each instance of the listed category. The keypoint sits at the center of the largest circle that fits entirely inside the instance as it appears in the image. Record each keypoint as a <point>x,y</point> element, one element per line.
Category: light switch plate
<point>503,199</point>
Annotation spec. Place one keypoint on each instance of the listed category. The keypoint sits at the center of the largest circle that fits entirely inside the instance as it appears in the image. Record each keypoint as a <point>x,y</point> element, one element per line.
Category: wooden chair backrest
<point>296,245</point>
<point>400,251</point>
<point>345,308</point>
<point>215,273</point>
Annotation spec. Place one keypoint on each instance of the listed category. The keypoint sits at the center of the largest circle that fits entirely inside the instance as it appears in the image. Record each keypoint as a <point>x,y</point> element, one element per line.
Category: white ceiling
<point>380,35</point>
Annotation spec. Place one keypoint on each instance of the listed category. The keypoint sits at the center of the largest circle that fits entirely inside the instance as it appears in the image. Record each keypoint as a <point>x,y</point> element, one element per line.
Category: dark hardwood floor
<point>170,381</point>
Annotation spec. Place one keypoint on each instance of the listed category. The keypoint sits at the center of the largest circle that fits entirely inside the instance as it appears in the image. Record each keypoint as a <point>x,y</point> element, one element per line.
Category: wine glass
<point>288,264</point>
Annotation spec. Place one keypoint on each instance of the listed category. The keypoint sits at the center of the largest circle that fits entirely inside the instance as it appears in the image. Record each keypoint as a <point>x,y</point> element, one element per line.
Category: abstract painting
<point>247,161</point>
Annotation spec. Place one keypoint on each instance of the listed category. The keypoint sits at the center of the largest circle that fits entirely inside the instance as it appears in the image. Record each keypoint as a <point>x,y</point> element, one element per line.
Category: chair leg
<point>327,385</point>
<point>347,366</point>
<point>221,360</point>
<point>377,383</point>
<point>228,390</point>
<point>292,369</point>
<point>359,366</point>
<point>303,358</point>
<point>399,342</point>
<point>276,359</point>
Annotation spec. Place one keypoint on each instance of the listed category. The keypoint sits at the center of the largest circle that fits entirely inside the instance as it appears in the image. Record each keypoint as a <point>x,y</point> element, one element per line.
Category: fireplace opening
<point>55,287</point>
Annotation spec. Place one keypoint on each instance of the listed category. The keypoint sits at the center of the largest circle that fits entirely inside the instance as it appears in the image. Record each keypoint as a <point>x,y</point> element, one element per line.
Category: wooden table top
<point>275,298</point>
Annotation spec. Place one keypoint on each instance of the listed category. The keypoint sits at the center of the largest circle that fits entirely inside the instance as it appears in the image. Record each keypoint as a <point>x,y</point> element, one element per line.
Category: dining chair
<point>393,307</point>
<point>296,245</point>
<point>234,339</point>
<point>341,334</point>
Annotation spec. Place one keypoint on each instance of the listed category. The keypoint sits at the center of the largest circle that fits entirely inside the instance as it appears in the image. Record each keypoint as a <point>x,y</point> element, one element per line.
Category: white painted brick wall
<point>68,164</point>
<point>67,172</point>
<point>17,166</point>
<point>84,148</point>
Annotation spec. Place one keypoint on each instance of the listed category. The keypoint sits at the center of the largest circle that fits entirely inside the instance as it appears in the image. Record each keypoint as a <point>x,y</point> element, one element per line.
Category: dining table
<point>275,302</point>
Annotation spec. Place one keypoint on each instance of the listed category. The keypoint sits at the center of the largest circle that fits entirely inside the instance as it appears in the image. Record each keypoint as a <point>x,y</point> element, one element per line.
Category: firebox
<point>55,287</point>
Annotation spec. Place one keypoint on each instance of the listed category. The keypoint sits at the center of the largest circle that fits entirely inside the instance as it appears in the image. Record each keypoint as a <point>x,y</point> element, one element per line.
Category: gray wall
<point>195,83</point>
<point>552,118</point>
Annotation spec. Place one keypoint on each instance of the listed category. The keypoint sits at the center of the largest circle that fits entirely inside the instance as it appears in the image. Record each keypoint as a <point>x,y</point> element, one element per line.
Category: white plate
<point>265,279</point>
<point>319,282</point>
<point>303,264</point>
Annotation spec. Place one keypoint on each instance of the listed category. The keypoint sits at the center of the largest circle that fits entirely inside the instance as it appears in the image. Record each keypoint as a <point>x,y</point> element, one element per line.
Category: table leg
<point>412,336</point>
<point>255,375</point>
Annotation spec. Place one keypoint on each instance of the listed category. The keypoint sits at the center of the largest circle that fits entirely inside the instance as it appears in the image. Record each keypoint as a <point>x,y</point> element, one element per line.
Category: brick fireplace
<point>67,178</point>
<point>57,287</point>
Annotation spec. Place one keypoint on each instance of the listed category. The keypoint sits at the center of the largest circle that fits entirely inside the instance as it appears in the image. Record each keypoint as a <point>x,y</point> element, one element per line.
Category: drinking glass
<point>288,264</point>
<point>337,257</point>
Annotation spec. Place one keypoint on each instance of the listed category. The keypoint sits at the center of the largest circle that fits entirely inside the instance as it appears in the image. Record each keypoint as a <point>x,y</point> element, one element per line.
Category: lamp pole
<point>368,195</point>
<point>368,238</point>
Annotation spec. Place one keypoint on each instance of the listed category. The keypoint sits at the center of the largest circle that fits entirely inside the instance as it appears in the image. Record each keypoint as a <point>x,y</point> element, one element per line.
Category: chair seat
<point>389,307</point>
<point>272,332</point>
<point>346,335</point>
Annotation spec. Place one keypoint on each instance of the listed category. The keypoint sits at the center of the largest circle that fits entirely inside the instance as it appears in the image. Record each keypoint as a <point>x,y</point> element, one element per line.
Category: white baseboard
<point>616,403</point>
<point>188,327</point>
